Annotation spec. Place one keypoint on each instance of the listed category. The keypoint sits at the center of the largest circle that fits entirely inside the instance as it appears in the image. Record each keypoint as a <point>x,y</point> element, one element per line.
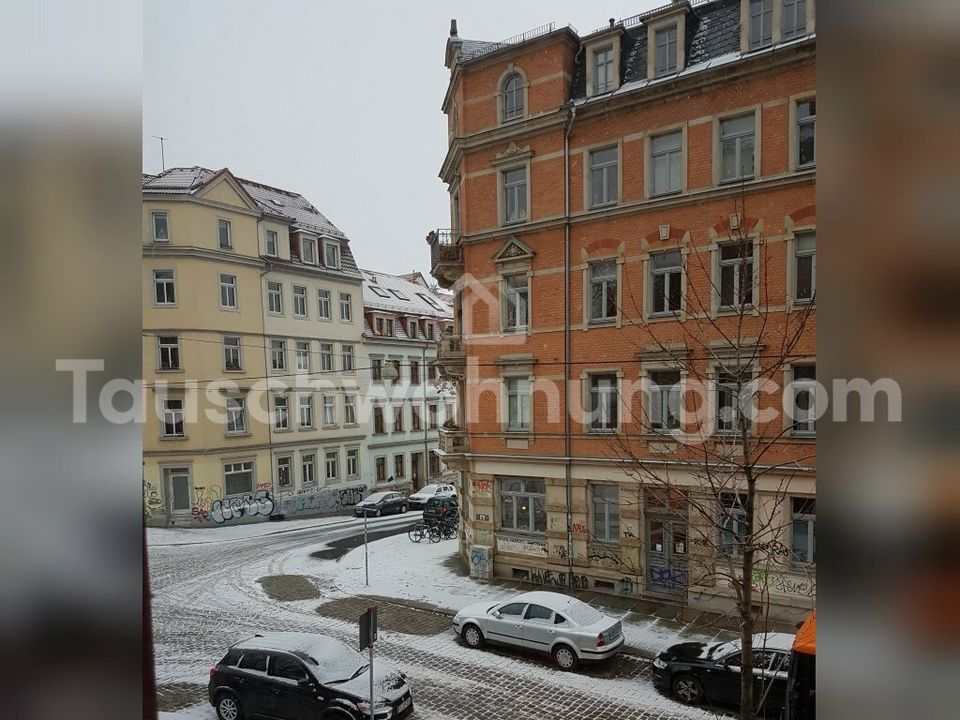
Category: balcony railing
<point>446,255</point>
<point>453,441</point>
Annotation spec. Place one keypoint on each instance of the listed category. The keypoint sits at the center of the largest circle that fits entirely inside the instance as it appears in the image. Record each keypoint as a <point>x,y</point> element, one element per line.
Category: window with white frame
<point>399,470</point>
<point>805,267</point>
<point>523,505</point>
<point>380,464</point>
<point>603,177</point>
<point>308,250</point>
<point>331,461</point>
<point>666,274</point>
<point>398,418</point>
<point>308,468</point>
<point>228,291</point>
<point>172,409</point>
<point>331,256</point>
<point>518,403</point>
<point>733,524</point>
<point>737,148</point>
<point>270,242</point>
<point>323,304</point>
<point>431,332</point>
<point>161,226</point>
<point>302,352</point>
<point>168,349</point>
<point>353,462</point>
<point>414,372</point>
<point>225,234</point>
<point>433,416</point>
<point>305,406</point>
<point>236,415</point>
<point>346,357</point>
<point>329,410</point>
<point>734,400</point>
<point>275,298</point>
<point>760,24</point>
<point>736,275</point>
<point>278,355</point>
<point>512,97</point>
<point>603,80</point>
<point>664,399</point>
<point>665,40</point>
<point>603,290</point>
<point>281,413</point>
<point>299,301</point>
<point>603,402</point>
<point>803,545</point>
<point>416,422</point>
<point>514,195</point>
<point>164,290</point>
<point>806,133</point>
<point>412,329</point>
<point>794,19</point>
<point>350,409</point>
<point>804,389</point>
<point>606,513</point>
<point>388,327</point>
<point>326,357</point>
<point>238,478</point>
<point>232,345</point>
<point>284,474</point>
<point>516,291</point>
<point>666,157</point>
<point>376,370</point>
<point>379,427</point>
<point>346,307</point>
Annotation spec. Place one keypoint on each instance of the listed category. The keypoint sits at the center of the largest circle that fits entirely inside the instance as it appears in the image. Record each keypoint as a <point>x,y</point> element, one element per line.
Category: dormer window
<point>331,257</point>
<point>308,250</point>
<point>794,18</point>
<point>760,24</point>
<point>512,97</point>
<point>666,51</point>
<point>603,70</point>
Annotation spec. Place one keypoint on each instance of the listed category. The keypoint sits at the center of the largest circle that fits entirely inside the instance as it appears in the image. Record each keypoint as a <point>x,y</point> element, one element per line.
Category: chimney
<point>612,21</point>
<point>453,27</point>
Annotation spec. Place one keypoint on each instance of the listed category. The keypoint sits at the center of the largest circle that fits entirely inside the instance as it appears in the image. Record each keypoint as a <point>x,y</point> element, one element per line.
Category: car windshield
<point>429,490</point>
<point>376,497</point>
<point>356,673</point>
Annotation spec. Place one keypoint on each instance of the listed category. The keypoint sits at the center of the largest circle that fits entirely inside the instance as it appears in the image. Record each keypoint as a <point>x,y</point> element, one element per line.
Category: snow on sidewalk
<point>419,572</point>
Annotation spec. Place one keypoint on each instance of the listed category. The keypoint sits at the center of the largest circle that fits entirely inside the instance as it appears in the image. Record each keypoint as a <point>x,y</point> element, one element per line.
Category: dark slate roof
<point>474,48</point>
<point>285,204</point>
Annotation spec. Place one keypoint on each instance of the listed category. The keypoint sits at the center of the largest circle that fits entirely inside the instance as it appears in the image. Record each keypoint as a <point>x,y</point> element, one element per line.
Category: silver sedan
<point>570,630</point>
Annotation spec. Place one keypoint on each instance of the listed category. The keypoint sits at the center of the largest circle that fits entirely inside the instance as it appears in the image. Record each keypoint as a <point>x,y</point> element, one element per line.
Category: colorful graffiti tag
<point>235,508</point>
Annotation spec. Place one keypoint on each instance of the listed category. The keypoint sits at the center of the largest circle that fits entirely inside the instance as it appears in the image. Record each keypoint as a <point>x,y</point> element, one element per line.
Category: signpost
<point>368,636</point>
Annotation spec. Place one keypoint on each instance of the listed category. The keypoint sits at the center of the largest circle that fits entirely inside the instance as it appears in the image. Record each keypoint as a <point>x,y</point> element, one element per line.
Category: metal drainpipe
<point>266,371</point>
<point>566,339</point>
<point>424,415</point>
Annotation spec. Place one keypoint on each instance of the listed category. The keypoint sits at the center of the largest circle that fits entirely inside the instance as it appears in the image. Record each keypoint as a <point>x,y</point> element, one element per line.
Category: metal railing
<point>444,246</point>
<point>516,39</point>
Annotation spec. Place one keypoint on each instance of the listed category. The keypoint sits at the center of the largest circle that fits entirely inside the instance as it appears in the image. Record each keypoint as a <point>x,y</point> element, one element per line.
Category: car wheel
<point>472,636</point>
<point>565,657</point>
<point>228,707</point>
<point>688,689</point>
<point>403,509</point>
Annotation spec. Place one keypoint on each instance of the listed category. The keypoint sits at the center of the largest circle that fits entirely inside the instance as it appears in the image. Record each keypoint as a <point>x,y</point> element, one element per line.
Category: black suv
<point>302,676</point>
<point>441,508</point>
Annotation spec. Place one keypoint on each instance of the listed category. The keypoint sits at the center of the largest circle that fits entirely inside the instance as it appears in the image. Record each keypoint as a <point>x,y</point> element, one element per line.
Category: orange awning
<point>806,639</point>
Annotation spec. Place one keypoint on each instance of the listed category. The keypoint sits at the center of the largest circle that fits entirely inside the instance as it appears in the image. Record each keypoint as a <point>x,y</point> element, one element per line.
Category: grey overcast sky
<point>339,101</point>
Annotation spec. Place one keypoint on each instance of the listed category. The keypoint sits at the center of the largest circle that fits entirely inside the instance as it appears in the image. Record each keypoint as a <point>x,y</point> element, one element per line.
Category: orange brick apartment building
<point>613,195</point>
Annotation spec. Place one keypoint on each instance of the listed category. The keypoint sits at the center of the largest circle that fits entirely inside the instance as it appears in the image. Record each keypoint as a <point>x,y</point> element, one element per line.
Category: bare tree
<point>722,465</point>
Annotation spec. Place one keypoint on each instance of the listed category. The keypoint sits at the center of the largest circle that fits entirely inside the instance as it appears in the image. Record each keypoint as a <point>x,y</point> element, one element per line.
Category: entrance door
<point>178,490</point>
<point>416,469</point>
<point>666,555</point>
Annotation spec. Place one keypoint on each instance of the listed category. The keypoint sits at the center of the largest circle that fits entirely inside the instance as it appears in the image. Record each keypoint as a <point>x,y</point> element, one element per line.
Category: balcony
<point>453,441</point>
<point>451,356</point>
<point>446,256</point>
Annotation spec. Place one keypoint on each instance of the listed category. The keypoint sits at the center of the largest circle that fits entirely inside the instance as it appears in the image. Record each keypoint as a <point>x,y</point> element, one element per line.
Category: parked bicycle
<point>435,530</point>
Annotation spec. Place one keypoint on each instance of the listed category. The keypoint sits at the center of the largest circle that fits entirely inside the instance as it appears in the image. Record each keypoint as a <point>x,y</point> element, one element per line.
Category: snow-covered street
<point>206,595</point>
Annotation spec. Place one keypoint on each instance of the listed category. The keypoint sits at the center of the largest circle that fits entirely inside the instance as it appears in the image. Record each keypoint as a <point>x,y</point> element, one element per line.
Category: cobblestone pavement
<point>206,596</point>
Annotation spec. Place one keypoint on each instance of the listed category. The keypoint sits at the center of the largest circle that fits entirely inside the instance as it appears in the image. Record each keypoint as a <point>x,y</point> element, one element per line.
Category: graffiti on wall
<point>151,499</point>
<point>481,560</point>
<point>579,528</point>
<point>328,500</point>
<point>799,585</point>
<point>519,546</point>
<point>203,500</point>
<point>558,579</point>
<point>482,487</point>
<point>668,577</point>
<point>235,508</point>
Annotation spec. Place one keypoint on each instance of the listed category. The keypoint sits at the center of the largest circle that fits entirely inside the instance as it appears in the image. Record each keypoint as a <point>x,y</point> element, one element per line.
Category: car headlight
<point>658,663</point>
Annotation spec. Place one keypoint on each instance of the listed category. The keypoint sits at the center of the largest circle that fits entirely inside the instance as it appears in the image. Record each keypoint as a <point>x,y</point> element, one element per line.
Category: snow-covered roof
<point>395,294</point>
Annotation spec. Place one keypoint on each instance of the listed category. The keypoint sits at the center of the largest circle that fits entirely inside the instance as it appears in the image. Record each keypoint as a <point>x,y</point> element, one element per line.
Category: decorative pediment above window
<point>513,154</point>
<point>512,250</point>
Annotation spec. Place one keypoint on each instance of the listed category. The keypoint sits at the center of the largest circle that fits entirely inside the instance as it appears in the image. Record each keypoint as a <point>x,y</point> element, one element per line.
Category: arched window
<point>512,96</point>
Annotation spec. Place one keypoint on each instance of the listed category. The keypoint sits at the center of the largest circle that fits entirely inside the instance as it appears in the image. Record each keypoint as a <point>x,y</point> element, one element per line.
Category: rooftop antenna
<point>163,164</point>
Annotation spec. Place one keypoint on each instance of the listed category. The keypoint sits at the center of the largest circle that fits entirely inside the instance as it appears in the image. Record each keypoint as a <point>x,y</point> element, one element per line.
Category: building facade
<point>251,337</point>
<point>633,218</point>
<point>403,322</point>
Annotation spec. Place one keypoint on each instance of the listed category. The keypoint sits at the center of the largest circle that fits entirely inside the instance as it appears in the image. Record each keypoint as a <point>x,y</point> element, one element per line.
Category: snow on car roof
<point>569,607</point>
<point>330,659</point>
<point>761,641</point>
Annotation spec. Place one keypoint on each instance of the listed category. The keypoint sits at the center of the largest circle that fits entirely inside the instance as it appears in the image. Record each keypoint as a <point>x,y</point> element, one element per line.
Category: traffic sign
<point>368,628</point>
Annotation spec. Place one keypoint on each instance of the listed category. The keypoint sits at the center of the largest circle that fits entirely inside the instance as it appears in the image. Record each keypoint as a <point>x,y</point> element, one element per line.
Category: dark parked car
<point>437,508</point>
<point>381,503</point>
<point>301,676</point>
<point>697,672</point>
